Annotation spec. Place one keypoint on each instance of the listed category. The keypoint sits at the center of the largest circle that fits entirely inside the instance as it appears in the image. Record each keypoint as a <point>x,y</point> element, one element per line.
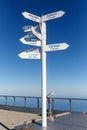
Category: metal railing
<point>27,101</point>
<point>72,103</point>
<point>18,102</point>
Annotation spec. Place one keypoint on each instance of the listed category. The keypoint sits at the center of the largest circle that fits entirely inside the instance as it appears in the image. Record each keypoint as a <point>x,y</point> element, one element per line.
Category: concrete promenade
<point>9,119</point>
<point>74,121</point>
<point>14,120</point>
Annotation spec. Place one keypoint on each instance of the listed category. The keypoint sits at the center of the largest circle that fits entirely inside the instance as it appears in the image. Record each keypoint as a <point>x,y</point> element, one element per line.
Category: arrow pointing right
<point>52,15</point>
<point>56,47</point>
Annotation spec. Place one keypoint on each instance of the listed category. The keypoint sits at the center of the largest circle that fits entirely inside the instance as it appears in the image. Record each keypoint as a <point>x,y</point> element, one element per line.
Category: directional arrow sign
<point>55,47</point>
<point>38,35</point>
<point>34,43</point>
<point>30,54</point>
<point>28,28</point>
<point>31,17</point>
<point>52,15</point>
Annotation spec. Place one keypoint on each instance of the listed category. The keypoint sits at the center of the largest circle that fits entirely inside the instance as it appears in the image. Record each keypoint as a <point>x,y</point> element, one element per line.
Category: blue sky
<point>66,70</point>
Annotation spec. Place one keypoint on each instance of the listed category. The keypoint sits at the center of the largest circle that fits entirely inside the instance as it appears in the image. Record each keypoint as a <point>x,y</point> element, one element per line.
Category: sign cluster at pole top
<point>51,47</point>
<point>43,18</point>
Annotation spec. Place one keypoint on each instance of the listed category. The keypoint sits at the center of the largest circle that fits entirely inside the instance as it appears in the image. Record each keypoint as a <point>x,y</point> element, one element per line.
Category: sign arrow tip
<point>67,45</point>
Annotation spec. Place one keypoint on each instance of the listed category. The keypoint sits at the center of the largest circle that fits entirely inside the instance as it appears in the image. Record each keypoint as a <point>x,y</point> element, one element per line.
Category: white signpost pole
<point>43,53</point>
<point>36,54</point>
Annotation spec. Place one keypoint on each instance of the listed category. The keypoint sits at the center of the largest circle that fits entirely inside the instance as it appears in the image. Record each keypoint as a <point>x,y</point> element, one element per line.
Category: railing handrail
<point>69,98</point>
<point>19,96</point>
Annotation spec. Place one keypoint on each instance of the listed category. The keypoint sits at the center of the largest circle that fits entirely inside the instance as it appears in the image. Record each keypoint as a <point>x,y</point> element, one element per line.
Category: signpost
<point>37,54</point>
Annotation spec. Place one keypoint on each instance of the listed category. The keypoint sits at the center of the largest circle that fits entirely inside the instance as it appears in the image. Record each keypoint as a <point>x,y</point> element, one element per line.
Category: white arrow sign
<point>38,35</point>
<point>31,17</point>
<point>52,15</point>
<point>55,47</point>
<point>34,43</point>
<point>30,54</point>
<point>28,28</point>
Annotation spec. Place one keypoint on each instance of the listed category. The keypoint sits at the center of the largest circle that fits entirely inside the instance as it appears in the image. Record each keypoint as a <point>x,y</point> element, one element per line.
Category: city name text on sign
<point>52,15</point>
<point>34,43</point>
<point>30,54</point>
<point>56,47</point>
<point>31,16</point>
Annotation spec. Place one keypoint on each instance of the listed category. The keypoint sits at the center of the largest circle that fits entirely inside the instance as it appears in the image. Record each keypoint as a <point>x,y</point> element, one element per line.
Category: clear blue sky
<point>66,70</point>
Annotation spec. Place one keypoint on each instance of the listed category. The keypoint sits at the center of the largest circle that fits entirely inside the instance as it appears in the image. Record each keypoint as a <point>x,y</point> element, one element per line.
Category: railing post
<point>25,103</point>
<point>14,100</point>
<point>52,104</point>
<point>70,102</point>
<point>6,101</point>
<point>37,102</point>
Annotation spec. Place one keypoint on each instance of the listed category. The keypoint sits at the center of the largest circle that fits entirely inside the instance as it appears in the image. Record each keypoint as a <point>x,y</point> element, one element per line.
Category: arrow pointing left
<point>31,17</point>
<point>30,54</point>
<point>34,43</point>
<point>28,28</point>
<point>38,35</point>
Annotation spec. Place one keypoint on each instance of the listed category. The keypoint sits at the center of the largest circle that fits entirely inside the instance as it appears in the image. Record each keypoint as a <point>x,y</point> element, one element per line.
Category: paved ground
<point>10,119</point>
<point>74,121</point>
<point>15,116</point>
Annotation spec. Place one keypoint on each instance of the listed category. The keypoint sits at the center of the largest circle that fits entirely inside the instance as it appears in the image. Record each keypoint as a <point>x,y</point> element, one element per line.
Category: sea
<point>59,104</point>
